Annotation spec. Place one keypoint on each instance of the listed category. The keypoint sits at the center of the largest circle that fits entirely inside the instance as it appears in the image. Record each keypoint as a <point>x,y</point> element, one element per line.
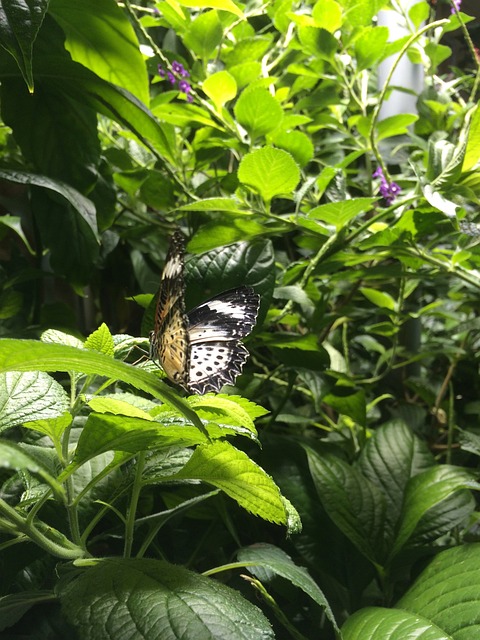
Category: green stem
<point>386,85</point>
<point>132,509</point>
<point>66,550</point>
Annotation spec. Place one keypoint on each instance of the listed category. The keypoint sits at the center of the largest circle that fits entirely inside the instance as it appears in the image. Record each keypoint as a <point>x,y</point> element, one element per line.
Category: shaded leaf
<point>153,599</point>
<point>30,396</point>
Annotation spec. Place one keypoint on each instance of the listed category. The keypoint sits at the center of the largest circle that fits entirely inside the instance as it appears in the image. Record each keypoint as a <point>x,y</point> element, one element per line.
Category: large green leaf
<point>447,592</point>
<point>30,355</point>
<point>204,34</point>
<point>258,111</point>
<point>12,456</point>
<point>30,396</point>
<point>268,558</point>
<point>19,25</point>
<point>389,459</point>
<point>231,266</point>
<point>356,505</point>
<point>151,599</point>
<point>64,79</point>
<point>81,204</point>
<point>231,470</point>
<point>271,172</point>
<point>376,623</point>
<point>425,491</point>
<point>100,37</point>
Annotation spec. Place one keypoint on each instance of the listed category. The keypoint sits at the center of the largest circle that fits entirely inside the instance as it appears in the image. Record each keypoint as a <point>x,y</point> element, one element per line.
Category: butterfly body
<point>201,351</point>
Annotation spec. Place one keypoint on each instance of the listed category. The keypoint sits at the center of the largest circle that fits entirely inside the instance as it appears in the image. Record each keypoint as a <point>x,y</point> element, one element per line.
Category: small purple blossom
<point>179,70</point>
<point>456,6</point>
<point>185,87</point>
<point>388,190</point>
<point>177,73</point>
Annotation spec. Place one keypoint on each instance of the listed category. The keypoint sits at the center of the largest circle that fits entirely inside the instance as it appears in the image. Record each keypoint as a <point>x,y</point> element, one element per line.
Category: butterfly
<point>200,350</point>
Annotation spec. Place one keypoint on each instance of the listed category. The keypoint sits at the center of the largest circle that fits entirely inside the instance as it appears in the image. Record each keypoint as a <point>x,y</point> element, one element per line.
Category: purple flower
<point>388,190</point>
<point>179,70</point>
<point>161,71</point>
<point>456,6</point>
<point>171,78</point>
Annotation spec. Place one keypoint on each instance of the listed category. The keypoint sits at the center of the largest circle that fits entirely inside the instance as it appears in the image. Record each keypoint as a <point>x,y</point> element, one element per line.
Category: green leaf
<point>101,340</point>
<point>232,471</point>
<point>418,13</point>
<point>63,79</point>
<point>348,401</point>
<point>380,299</point>
<point>12,456</point>
<point>29,396</point>
<point>13,606</point>
<point>150,598</point>
<point>340,213</point>
<point>220,88</point>
<point>14,223</point>
<point>354,504</point>
<point>395,125</point>
<point>27,355</point>
<point>228,205</point>
<point>101,38</point>
<point>328,15</point>
<point>223,5</point>
<point>318,42</point>
<point>297,143</point>
<point>438,201</point>
<point>271,558</point>
<point>472,152</point>
<point>258,111</point>
<point>248,50</point>
<point>104,432</point>
<point>117,406</point>
<point>204,35</point>
<point>271,172</point>
<point>51,427</point>
<point>376,623</point>
<point>370,46</point>
<point>425,491</point>
<point>10,304</point>
<point>80,203</point>
<point>227,410</point>
<point>229,266</point>
<point>447,592</point>
<point>391,456</point>
<point>217,234</point>
<point>19,26</point>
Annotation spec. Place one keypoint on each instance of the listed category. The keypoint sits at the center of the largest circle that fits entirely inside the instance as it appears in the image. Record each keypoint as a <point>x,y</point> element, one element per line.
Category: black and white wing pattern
<point>201,350</point>
<point>215,330</point>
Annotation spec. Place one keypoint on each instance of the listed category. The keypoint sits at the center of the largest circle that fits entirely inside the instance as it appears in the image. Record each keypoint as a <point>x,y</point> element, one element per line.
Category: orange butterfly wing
<point>169,342</point>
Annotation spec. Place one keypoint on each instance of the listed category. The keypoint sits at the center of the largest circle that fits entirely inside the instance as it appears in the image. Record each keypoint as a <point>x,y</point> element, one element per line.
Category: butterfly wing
<point>169,341</point>
<point>215,330</point>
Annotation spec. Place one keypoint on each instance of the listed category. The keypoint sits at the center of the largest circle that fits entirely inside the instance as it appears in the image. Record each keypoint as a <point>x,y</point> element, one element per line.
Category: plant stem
<point>132,508</point>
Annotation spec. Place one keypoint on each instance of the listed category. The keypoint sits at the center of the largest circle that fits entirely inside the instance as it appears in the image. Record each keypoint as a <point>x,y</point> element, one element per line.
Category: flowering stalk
<point>388,190</point>
<point>178,73</point>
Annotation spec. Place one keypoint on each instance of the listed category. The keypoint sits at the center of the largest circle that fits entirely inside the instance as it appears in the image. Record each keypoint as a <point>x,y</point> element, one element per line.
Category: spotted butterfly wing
<point>169,341</point>
<point>200,350</point>
<point>215,330</point>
